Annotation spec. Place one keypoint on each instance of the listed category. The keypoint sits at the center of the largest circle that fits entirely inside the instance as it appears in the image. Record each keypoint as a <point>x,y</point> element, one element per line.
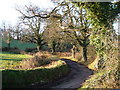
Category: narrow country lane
<point>77,75</point>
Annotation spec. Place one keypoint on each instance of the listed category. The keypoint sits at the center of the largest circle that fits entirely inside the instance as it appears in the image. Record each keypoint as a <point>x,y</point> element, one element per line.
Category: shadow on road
<point>73,80</point>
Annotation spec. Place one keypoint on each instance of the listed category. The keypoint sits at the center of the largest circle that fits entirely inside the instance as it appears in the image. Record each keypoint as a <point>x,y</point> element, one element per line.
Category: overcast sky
<point>8,13</point>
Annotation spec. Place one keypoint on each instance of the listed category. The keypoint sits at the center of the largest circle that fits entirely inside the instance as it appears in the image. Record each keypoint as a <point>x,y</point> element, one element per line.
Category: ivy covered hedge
<point>23,78</point>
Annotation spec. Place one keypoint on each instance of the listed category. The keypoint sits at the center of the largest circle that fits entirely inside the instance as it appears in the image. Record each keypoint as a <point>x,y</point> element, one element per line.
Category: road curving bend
<point>77,75</point>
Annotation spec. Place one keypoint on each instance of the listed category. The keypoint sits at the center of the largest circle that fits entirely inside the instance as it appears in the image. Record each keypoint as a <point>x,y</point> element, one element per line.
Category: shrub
<point>36,61</point>
<point>45,53</point>
<point>22,52</point>
<point>78,56</point>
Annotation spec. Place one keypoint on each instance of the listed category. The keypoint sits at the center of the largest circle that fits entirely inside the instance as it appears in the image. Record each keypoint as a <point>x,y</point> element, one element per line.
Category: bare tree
<point>34,32</point>
<point>32,11</point>
<point>32,16</point>
<point>75,24</point>
<point>73,21</point>
<point>6,33</point>
<point>18,31</point>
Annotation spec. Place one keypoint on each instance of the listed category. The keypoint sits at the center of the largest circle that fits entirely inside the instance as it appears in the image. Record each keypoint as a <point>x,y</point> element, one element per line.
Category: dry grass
<point>43,54</point>
<point>78,57</point>
<point>36,61</point>
<point>63,54</point>
<point>91,54</point>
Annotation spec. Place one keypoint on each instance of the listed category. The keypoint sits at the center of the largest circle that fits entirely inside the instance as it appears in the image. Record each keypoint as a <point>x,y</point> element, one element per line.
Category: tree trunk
<point>73,51</point>
<point>85,53</point>
<point>53,49</point>
<point>38,48</point>
<point>18,37</point>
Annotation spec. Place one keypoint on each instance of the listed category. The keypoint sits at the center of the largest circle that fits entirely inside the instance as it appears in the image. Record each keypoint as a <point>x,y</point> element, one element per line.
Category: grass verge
<point>10,60</point>
<point>22,78</point>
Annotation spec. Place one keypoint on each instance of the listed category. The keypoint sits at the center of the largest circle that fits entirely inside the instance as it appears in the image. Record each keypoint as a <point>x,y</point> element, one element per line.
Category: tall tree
<point>52,32</point>
<point>75,24</point>
<point>101,16</point>
<point>33,27</point>
<point>31,11</point>
<point>18,31</point>
<point>6,33</point>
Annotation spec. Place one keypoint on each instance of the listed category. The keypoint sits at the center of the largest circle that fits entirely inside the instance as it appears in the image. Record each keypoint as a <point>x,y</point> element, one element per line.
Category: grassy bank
<point>108,77</point>
<point>10,60</point>
<point>23,78</point>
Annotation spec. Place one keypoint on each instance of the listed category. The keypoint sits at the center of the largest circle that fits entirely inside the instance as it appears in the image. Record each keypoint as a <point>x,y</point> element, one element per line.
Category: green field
<point>18,44</point>
<point>9,60</point>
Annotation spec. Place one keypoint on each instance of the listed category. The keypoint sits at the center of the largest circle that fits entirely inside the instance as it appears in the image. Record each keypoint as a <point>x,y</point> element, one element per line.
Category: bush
<point>23,78</point>
<point>36,61</point>
<point>45,53</point>
<point>78,56</point>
